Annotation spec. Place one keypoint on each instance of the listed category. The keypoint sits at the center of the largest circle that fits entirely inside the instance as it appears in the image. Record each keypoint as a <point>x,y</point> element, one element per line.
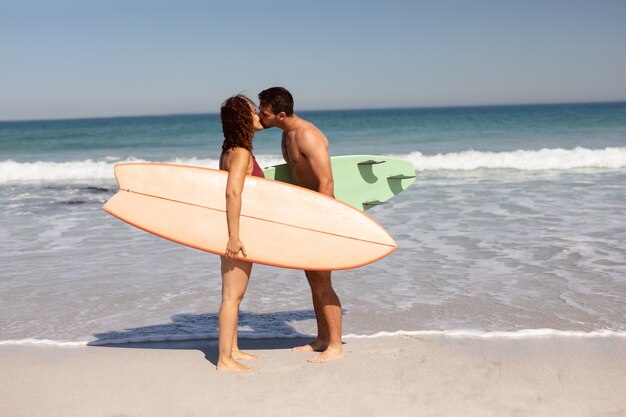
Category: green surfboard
<point>363,181</point>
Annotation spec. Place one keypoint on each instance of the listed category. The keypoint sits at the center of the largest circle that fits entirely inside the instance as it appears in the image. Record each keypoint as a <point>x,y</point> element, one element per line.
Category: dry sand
<point>555,376</point>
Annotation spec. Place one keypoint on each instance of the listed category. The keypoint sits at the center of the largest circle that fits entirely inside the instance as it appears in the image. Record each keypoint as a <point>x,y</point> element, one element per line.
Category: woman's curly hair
<point>237,123</point>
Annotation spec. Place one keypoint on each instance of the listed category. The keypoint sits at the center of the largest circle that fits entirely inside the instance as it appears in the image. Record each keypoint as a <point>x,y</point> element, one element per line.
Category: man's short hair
<point>279,99</point>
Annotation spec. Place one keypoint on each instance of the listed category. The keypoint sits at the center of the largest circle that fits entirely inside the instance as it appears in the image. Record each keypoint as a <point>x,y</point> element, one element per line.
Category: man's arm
<point>314,149</point>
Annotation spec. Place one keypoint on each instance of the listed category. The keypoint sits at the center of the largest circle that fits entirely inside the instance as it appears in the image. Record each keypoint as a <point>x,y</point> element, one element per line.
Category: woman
<point>239,122</point>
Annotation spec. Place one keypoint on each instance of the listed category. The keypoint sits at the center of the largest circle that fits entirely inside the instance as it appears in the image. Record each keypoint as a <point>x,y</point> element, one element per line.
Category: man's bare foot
<point>328,355</point>
<point>311,347</point>
<point>232,366</point>
<point>239,355</point>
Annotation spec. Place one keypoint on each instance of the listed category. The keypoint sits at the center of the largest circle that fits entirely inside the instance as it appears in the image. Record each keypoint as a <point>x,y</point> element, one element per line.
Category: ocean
<point>515,226</point>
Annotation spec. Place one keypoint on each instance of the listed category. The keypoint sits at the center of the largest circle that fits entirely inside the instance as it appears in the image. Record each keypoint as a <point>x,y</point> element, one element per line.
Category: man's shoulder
<point>306,129</point>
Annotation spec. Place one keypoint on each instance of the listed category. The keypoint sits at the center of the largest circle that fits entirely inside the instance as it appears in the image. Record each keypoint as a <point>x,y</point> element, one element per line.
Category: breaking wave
<point>524,160</point>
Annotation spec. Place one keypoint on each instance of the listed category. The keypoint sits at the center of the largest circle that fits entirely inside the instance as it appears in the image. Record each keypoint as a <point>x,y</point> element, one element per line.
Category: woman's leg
<point>235,277</point>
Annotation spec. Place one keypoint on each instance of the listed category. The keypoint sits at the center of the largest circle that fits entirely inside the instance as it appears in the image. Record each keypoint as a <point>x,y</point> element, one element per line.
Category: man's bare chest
<point>291,150</point>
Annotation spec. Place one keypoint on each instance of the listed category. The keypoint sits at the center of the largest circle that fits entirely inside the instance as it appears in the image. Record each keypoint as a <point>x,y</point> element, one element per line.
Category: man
<point>305,149</point>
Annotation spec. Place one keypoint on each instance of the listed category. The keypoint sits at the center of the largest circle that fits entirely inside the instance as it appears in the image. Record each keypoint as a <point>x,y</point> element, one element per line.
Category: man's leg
<point>328,315</point>
<point>321,341</point>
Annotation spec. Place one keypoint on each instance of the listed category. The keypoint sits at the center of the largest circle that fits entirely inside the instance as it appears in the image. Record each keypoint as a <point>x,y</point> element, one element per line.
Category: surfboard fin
<point>373,203</point>
<point>370,162</point>
<point>400,177</point>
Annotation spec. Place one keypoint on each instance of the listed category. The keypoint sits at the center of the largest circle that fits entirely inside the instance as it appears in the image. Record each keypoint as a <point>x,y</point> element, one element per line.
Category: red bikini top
<point>256,169</point>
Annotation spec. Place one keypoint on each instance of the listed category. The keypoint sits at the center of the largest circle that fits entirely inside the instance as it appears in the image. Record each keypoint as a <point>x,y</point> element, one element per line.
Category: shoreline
<point>464,334</point>
<point>399,375</point>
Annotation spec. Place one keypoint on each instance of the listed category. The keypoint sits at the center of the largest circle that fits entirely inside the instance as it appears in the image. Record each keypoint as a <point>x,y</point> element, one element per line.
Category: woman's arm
<point>239,162</point>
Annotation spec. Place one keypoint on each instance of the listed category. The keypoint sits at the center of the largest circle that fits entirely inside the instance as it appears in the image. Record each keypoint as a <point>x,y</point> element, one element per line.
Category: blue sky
<point>65,59</point>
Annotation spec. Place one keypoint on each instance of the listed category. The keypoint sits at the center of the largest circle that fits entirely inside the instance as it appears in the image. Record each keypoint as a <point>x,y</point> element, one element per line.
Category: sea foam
<point>526,160</point>
<point>90,170</point>
<point>461,334</point>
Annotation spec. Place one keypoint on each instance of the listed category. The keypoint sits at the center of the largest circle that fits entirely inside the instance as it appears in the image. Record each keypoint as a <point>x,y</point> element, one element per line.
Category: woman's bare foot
<point>239,355</point>
<point>232,365</point>
<point>312,347</point>
<point>328,355</point>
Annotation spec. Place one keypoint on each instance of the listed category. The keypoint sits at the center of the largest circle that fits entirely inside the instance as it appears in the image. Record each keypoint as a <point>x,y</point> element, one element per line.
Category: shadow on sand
<point>255,332</point>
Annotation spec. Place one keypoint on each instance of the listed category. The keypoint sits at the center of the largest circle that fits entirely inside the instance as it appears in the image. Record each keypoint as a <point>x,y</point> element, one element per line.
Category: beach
<point>380,376</point>
<point>506,296</point>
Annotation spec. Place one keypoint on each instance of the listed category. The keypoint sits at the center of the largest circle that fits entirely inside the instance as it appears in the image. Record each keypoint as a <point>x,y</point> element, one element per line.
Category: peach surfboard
<point>280,225</point>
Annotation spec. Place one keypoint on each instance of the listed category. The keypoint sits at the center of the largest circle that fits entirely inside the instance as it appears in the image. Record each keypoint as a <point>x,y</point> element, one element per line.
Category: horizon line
<point>460,106</point>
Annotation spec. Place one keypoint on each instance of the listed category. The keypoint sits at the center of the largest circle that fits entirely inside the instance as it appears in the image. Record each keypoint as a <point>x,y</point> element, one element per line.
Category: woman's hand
<point>233,248</point>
